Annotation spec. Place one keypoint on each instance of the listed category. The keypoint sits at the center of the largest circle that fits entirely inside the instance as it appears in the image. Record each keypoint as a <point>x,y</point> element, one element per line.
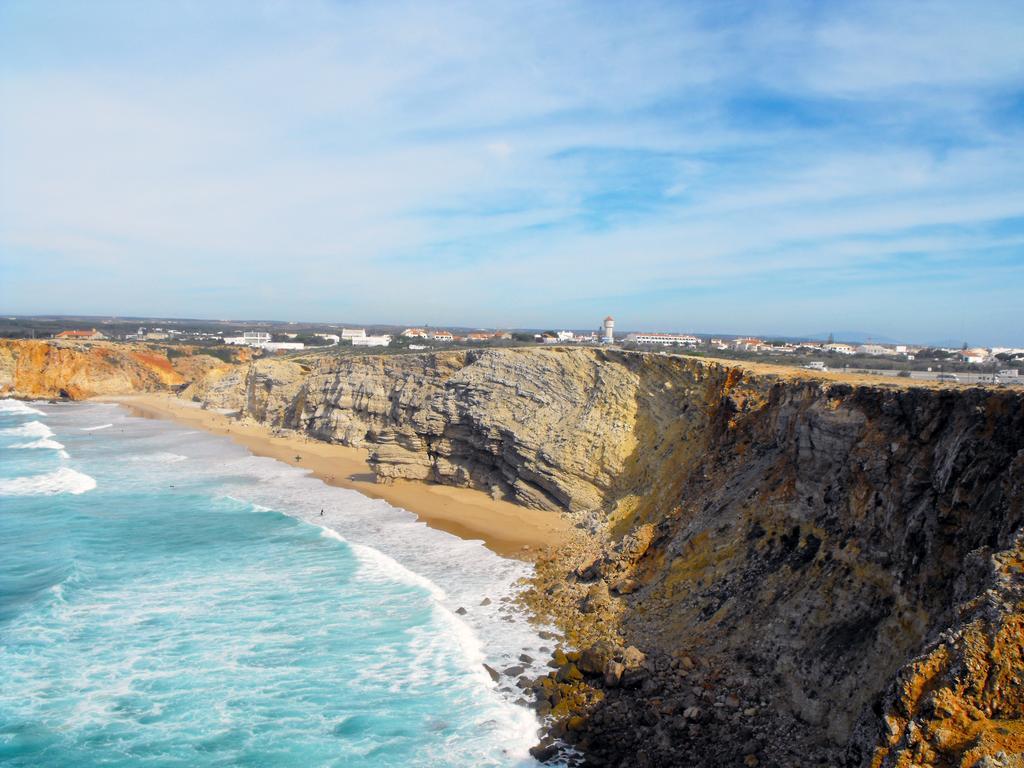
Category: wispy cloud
<point>761,167</point>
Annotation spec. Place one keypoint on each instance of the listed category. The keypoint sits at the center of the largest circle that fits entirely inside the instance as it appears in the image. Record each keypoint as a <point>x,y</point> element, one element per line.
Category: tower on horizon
<point>609,330</point>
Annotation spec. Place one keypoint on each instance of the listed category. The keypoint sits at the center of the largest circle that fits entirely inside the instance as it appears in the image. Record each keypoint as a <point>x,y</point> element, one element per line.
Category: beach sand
<point>505,528</point>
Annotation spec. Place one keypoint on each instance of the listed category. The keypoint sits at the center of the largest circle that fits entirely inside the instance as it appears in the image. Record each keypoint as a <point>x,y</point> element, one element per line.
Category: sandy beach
<point>507,529</point>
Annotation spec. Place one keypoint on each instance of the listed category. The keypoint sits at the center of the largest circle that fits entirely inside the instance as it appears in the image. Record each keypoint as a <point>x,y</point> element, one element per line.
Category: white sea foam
<point>29,429</point>
<point>160,457</point>
<point>17,407</point>
<point>63,480</point>
<point>43,442</point>
<point>94,429</point>
<point>377,565</point>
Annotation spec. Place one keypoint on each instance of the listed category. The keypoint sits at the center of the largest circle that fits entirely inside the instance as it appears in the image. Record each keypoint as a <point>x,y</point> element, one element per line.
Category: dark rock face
<point>961,702</point>
<point>821,539</point>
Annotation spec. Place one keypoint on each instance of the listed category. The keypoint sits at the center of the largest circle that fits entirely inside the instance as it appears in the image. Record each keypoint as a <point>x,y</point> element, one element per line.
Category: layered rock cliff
<point>78,370</point>
<point>783,570</point>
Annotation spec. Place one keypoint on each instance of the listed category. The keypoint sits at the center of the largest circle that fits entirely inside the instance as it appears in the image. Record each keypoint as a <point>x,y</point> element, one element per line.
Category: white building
<point>331,337</point>
<point>278,346</point>
<point>371,341</point>
<point>416,333</point>
<point>350,334</point>
<point>664,339</point>
<point>566,336</point>
<point>842,349</point>
<point>249,339</point>
<point>608,335</point>
<point>875,349</point>
<point>441,336</point>
<point>751,344</point>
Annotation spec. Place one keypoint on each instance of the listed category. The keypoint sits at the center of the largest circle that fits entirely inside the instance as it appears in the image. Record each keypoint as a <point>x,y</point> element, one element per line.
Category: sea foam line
<point>8,405</point>
<point>63,480</point>
<point>160,457</point>
<point>29,429</point>
<point>383,566</point>
<point>43,442</point>
<point>94,429</point>
<point>387,567</point>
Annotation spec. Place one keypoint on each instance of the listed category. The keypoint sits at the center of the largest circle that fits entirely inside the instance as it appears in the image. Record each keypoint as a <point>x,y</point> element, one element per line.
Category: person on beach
<point>321,513</point>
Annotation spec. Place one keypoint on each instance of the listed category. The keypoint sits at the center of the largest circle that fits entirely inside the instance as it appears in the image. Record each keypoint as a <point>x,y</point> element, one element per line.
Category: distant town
<point>955,364</point>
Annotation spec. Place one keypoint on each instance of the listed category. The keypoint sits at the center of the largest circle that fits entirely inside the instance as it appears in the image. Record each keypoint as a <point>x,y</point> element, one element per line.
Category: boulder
<point>613,671</point>
<point>594,659</point>
<point>590,571</point>
<point>544,752</point>
<point>568,673</point>
<point>625,586</point>
<point>633,657</point>
<point>597,598</point>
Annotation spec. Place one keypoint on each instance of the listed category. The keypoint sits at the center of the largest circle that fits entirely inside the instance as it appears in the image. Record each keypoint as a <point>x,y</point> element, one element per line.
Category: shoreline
<point>507,529</point>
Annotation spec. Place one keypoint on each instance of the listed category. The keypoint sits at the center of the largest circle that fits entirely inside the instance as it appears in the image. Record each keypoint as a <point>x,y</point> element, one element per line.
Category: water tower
<point>609,330</point>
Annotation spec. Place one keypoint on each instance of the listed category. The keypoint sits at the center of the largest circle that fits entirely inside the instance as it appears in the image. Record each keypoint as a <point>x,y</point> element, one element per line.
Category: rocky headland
<point>772,568</point>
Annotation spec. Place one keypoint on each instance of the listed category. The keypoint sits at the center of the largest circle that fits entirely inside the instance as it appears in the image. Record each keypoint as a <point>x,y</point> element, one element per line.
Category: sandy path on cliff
<point>504,528</point>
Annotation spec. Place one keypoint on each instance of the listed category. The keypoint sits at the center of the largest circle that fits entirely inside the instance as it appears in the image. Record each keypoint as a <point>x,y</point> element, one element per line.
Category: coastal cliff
<point>77,370</point>
<point>815,551</point>
<point>778,568</point>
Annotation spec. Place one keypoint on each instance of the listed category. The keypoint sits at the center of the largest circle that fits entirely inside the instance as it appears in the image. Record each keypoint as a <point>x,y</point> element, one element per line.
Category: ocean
<point>168,599</point>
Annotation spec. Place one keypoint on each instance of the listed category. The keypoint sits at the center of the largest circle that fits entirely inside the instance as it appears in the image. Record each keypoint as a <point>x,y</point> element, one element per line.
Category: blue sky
<point>762,167</point>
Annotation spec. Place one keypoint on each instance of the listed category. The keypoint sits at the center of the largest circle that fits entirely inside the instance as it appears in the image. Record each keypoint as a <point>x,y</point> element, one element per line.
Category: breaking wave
<point>17,407</point>
<point>43,442</point>
<point>29,429</point>
<point>160,457</point>
<point>63,480</point>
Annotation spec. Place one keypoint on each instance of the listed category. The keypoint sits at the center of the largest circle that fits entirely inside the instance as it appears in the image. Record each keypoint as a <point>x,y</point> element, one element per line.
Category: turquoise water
<point>168,600</point>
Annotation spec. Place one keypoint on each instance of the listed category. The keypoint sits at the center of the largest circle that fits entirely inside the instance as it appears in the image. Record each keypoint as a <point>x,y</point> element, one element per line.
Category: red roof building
<point>81,335</point>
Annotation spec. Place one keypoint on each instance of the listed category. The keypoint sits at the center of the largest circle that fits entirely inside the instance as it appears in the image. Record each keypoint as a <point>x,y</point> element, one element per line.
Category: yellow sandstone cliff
<point>77,370</point>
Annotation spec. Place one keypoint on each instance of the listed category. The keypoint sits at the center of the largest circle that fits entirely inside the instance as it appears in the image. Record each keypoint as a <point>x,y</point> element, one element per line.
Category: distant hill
<point>852,337</point>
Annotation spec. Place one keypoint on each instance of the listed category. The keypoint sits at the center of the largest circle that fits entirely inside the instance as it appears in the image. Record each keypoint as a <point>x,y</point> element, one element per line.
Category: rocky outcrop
<point>77,370</point>
<point>961,702</point>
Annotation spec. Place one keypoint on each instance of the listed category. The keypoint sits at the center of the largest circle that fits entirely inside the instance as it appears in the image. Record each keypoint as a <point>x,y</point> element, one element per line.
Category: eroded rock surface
<point>77,370</point>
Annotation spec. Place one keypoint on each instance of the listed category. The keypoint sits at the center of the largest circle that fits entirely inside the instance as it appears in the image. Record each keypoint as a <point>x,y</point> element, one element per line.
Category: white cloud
<point>395,158</point>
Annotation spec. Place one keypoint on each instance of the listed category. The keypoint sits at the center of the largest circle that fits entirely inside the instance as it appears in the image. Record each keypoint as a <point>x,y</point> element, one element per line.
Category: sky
<point>773,168</point>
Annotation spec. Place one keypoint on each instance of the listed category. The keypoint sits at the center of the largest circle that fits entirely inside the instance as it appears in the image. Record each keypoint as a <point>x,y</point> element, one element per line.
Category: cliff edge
<point>781,569</point>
